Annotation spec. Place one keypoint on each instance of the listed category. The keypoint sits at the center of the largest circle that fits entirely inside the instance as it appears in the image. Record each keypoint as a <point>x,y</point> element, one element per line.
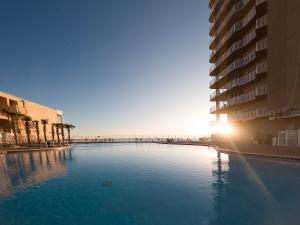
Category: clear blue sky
<point>113,66</point>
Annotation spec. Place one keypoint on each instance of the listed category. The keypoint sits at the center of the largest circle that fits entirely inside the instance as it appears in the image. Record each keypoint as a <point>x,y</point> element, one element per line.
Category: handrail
<point>234,47</point>
<point>237,26</point>
<point>247,78</point>
<point>260,45</point>
<point>237,7</point>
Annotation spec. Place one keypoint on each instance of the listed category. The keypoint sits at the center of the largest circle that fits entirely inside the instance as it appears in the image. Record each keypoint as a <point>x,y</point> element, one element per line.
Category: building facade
<point>255,56</point>
<point>36,111</point>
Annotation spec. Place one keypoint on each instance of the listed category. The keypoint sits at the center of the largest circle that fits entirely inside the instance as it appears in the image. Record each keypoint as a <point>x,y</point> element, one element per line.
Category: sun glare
<point>224,128</point>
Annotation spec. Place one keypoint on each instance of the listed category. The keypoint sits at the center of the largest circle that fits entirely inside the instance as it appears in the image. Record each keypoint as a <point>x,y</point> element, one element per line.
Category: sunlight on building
<point>224,128</point>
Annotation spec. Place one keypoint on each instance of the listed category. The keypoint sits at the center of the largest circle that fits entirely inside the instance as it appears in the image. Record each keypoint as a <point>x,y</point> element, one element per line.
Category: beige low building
<point>36,111</point>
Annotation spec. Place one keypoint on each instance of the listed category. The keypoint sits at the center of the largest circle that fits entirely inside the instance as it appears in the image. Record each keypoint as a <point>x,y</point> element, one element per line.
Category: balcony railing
<point>283,113</point>
<point>260,22</point>
<point>224,5</point>
<point>236,46</point>
<point>260,45</point>
<point>237,26</point>
<point>248,97</point>
<point>217,107</point>
<point>250,115</point>
<point>242,99</point>
<point>237,7</point>
<point>245,79</point>
<point>260,68</point>
<point>212,3</point>
<point>216,93</point>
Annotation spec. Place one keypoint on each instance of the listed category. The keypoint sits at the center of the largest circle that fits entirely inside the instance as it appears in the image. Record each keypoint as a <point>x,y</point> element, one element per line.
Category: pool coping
<point>224,150</point>
<point>8,151</point>
<point>254,154</point>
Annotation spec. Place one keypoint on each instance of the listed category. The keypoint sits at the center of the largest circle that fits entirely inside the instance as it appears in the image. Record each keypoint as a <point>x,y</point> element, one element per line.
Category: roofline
<point>5,93</point>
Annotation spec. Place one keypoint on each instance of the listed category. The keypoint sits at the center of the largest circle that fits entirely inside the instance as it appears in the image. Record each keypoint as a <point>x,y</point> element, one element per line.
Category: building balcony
<point>212,3</point>
<point>248,97</point>
<point>239,63</point>
<point>215,109</point>
<point>255,32</point>
<point>258,113</point>
<point>247,78</point>
<point>213,11</point>
<point>3,116</point>
<point>218,16</point>
<point>217,93</point>
<point>284,113</point>
<point>216,30</point>
<point>234,28</point>
<point>251,96</point>
<point>236,8</point>
<point>260,22</point>
<point>236,46</point>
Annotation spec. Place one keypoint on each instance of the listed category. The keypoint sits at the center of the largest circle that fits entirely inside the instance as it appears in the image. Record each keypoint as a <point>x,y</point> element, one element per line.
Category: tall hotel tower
<point>255,56</point>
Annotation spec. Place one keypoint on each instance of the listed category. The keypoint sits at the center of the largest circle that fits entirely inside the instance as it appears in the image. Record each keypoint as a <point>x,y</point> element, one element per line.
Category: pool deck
<point>260,150</point>
<point>17,150</point>
<point>247,149</point>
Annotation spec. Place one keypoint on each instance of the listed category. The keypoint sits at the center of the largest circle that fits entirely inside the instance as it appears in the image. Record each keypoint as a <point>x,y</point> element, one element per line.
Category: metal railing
<point>242,99</point>
<point>235,27</point>
<point>287,138</point>
<point>246,78</point>
<point>236,46</point>
<point>250,56</point>
<point>260,22</point>
<point>224,5</point>
<point>250,115</point>
<point>237,7</point>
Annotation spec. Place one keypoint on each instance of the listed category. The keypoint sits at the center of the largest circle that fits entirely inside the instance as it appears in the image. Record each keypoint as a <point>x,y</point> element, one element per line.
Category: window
<point>59,119</point>
<point>3,101</point>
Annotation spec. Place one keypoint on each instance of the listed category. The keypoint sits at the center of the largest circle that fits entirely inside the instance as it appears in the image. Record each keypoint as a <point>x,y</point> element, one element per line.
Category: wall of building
<point>276,53</point>
<point>284,53</point>
<point>34,110</point>
<point>293,52</point>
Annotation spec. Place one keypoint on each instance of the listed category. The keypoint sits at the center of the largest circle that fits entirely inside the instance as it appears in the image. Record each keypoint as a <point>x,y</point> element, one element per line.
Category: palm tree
<point>57,125</point>
<point>62,128</point>
<point>13,116</point>
<point>69,127</point>
<point>44,122</point>
<point>27,120</point>
<point>53,132</point>
<point>37,129</point>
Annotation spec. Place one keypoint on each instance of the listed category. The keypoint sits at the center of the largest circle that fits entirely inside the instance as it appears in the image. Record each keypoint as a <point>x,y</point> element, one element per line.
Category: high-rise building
<point>255,52</point>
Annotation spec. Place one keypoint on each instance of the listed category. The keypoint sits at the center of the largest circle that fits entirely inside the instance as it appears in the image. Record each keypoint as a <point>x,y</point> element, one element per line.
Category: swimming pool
<point>143,184</point>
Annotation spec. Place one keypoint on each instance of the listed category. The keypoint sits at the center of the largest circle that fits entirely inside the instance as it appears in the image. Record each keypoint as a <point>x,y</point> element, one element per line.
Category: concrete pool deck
<point>247,149</point>
<point>18,150</point>
<point>260,150</point>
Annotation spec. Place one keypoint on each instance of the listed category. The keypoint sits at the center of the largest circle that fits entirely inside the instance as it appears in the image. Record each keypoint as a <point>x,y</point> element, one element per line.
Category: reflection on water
<point>146,184</point>
<point>258,191</point>
<point>220,173</point>
<point>23,170</point>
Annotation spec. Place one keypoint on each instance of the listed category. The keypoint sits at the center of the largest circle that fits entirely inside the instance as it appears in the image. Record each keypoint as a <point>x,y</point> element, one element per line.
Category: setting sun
<point>224,128</point>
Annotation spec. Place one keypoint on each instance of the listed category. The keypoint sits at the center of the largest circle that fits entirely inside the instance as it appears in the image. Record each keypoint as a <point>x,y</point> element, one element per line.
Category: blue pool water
<point>146,184</point>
